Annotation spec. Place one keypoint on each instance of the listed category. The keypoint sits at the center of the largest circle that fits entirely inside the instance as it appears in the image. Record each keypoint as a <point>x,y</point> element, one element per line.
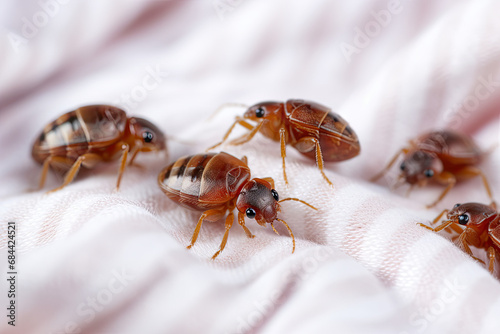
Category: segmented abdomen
<point>454,145</point>
<point>337,139</point>
<point>204,181</point>
<point>75,132</point>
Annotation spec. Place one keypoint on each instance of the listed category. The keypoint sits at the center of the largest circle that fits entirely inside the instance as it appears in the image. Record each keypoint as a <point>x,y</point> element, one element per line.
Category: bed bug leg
<point>212,215</point>
<point>462,242</point>
<point>307,144</point>
<point>283,152</point>
<point>450,180</point>
<point>473,171</point>
<point>229,223</point>
<point>456,228</point>
<point>319,161</point>
<point>123,163</point>
<point>133,154</point>
<point>491,257</point>
<point>45,169</point>
<point>88,158</point>
<point>241,221</point>
<point>46,165</point>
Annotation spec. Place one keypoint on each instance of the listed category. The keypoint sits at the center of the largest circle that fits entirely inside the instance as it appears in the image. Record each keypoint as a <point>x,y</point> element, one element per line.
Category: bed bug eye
<point>250,213</point>
<point>275,194</point>
<point>463,219</point>
<point>259,112</point>
<point>147,136</point>
<point>456,205</point>
<point>403,166</point>
<point>429,173</point>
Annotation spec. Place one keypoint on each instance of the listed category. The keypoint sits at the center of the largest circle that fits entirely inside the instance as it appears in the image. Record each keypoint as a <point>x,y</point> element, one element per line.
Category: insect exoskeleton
<point>216,183</point>
<point>93,134</point>
<point>443,156</point>
<point>311,128</point>
<point>477,224</point>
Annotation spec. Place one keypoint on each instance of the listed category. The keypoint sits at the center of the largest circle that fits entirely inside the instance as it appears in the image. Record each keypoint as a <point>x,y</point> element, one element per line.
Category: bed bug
<point>442,156</point>
<point>482,228</point>
<point>90,135</point>
<point>311,128</point>
<point>216,183</point>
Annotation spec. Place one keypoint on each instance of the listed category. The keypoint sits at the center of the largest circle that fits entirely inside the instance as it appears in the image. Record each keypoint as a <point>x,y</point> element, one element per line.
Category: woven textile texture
<point>92,260</point>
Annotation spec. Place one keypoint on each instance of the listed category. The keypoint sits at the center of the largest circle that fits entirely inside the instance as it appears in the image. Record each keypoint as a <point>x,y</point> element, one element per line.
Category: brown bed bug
<point>482,228</point>
<point>311,128</point>
<point>90,135</point>
<point>443,156</point>
<point>219,182</point>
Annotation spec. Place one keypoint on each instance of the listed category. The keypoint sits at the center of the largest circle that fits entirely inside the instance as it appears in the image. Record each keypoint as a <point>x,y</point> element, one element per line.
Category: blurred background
<point>393,69</point>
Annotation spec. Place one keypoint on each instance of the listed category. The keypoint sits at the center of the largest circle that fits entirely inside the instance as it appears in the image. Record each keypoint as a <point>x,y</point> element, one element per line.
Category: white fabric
<point>115,262</point>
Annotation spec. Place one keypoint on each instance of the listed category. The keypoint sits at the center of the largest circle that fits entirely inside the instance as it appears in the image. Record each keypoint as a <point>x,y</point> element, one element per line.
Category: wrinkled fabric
<point>92,260</point>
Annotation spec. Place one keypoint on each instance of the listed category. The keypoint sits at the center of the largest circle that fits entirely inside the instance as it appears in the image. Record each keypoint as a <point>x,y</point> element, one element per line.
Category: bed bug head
<point>265,111</point>
<point>151,138</point>
<point>257,200</point>
<point>418,167</point>
<point>471,215</point>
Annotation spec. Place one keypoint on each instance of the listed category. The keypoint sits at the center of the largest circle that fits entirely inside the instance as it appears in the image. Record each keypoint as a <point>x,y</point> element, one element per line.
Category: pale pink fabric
<point>105,262</point>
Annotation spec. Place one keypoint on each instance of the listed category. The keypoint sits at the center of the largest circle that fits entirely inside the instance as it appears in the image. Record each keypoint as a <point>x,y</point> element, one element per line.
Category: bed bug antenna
<point>298,200</point>
<point>274,229</point>
<point>289,231</point>
<point>399,182</point>
<point>410,188</point>
<point>227,105</point>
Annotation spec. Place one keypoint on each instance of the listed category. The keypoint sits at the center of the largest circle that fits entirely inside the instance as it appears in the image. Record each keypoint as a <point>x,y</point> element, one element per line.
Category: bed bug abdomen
<point>74,132</point>
<point>457,148</point>
<point>204,181</point>
<point>337,139</point>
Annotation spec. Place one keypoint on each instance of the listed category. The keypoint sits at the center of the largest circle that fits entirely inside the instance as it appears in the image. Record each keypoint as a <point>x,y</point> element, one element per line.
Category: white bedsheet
<point>91,260</point>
